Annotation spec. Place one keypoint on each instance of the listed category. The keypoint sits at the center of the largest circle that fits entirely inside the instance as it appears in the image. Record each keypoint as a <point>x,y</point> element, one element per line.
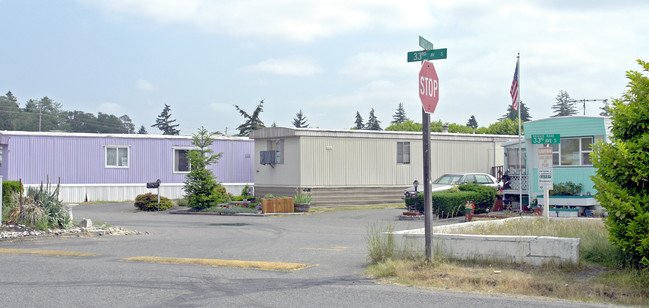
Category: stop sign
<point>428,87</point>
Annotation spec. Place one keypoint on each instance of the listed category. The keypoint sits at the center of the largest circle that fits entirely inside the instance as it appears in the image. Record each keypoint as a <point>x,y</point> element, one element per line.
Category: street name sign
<point>428,87</point>
<point>425,44</point>
<point>545,138</point>
<point>435,54</point>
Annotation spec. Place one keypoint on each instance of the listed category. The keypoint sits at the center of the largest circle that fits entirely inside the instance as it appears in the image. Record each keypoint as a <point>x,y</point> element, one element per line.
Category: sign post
<point>545,178</point>
<point>429,95</point>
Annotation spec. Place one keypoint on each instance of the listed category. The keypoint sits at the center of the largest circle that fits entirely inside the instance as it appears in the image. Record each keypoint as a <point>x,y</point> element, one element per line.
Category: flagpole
<point>520,154</point>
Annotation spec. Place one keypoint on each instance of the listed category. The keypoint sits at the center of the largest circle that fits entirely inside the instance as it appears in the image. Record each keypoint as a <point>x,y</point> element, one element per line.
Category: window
<point>277,145</point>
<point>512,161</point>
<point>181,162</point>
<point>403,152</point>
<point>483,179</point>
<point>572,152</point>
<point>116,156</point>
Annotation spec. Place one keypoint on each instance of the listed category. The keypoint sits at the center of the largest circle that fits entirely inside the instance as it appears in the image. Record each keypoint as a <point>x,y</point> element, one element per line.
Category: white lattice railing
<point>515,182</point>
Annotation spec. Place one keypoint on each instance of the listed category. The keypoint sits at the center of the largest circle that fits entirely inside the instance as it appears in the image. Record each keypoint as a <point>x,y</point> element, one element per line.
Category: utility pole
<point>583,101</point>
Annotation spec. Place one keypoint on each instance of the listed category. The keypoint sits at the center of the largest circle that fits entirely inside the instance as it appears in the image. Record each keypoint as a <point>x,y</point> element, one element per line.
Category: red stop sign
<point>428,87</point>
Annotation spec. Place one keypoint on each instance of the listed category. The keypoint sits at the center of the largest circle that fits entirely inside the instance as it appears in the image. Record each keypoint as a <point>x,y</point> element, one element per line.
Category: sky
<point>329,59</point>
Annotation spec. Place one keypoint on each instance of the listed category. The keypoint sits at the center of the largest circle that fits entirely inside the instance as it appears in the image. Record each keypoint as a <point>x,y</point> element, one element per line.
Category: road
<point>331,247</point>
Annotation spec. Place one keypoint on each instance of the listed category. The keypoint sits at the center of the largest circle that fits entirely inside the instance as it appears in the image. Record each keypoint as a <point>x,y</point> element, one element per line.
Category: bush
<point>622,171</point>
<point>149,202</point>
<point>485,198</point>
<point>41,209</point>
<point>11,190</point>
<point>566,189</point>
<point>446,204</point>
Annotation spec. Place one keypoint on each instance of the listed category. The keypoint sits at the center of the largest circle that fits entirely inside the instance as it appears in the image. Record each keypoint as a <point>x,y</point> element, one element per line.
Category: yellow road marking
<point>58,253</point>
<point>335,248</point>
<point>260,265</point>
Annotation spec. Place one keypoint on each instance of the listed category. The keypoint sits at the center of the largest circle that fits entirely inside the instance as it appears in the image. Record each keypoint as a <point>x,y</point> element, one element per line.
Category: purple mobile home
<point>116,167</point>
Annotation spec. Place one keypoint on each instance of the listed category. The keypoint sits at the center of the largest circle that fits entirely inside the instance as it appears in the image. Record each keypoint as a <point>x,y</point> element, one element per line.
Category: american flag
<point>514,90</point>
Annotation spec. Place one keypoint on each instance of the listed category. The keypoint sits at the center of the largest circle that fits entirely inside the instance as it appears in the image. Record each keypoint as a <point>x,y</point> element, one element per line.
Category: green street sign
<point>545,138</point>
<point>425,44</point>
<point>434,54</point>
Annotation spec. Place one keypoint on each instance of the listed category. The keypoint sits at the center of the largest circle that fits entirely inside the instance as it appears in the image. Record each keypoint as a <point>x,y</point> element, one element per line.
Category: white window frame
<point>173,162</point>
<point>401,152</point>
<point>117,150</point>
<point>556,152</point>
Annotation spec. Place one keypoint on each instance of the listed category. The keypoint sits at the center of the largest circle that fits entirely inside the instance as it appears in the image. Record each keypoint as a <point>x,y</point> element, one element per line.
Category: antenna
<point>583,100</point>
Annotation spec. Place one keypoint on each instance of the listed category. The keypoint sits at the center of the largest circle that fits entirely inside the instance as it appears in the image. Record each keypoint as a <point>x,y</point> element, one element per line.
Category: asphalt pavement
<point>209,261</point>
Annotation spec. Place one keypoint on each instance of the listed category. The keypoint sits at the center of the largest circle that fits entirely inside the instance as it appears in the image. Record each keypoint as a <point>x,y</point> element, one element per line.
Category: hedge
<point>9,187</point>
<point>451,204</point>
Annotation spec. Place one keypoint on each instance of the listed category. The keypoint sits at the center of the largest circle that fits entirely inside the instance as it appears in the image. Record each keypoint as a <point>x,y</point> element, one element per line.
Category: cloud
<point>369,65</point>
<point>289,20</point>
<point>110,108</point>
<point>145,85</point>
<point>298,66</point>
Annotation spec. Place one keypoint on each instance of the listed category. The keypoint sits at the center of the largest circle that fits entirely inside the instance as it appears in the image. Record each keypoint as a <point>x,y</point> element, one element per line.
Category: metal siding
<point>81,160</point>
<point>566,126</point>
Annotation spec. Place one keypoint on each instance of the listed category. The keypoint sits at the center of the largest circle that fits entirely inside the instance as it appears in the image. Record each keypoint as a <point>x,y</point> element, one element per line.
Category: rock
<point>85,223</point>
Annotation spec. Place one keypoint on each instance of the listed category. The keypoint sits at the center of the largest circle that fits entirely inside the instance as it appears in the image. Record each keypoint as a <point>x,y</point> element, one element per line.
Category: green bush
<point>622,171</point>
<point>149,202</point>
<point>41,209</point>
<point>566,189</point>
<point>445,204</point>
<point>9,190</point>
<point>485,198</point>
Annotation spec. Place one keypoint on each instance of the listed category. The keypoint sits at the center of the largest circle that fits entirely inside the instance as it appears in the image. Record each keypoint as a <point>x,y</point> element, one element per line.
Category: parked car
<point>446,182</point>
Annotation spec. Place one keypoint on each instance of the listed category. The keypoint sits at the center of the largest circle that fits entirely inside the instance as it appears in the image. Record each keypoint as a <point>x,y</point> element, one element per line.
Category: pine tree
<point>472,123</point>
<point>605,110</point>
<point>372,122</point>
<point>565,106</point>
<point>9,111</point>
<point>164,123</point>
<point>200,182</point>
<point>513,114</point>
<point>300,121</point>
<point>142,130</point>
<point>399,116</point>
<point>359,121</point>
<point>252,120</point>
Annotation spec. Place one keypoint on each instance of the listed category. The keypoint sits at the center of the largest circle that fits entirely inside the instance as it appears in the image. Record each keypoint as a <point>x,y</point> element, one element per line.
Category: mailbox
<point>155,184</point>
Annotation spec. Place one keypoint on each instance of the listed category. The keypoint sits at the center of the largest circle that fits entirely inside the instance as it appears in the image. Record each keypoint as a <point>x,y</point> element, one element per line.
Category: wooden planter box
<point>277,205</point>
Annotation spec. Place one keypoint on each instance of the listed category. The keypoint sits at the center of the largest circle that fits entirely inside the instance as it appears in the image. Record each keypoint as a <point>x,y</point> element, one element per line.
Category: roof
<point>92,135</point>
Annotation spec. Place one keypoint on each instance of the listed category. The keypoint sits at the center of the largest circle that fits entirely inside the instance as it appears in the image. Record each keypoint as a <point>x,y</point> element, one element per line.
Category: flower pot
<point>301,207</point>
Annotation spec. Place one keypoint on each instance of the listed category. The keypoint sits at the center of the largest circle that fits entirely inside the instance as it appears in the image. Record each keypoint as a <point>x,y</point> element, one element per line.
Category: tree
<point>565,106</point>
<point>142,130</point>
<point>513,114</point>
<point>252,120</point>
<point>472,123</point>
<point>127,125</point>
<point>300,121</point>
<point>399,116</point>
<point>82,122</point>
<point>605,110</point>
<point>372,122</point>
<point>504,127</point>
<point>9,111</point>
<point>622,171</point>
<point>359,121</point>
<point>200,183</point>
<point>408,126</point>
<point>165,124</point>
<point>42,115</point>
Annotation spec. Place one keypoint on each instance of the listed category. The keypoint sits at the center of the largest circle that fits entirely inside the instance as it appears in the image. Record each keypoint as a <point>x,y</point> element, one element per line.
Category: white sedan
<point>446,182</point>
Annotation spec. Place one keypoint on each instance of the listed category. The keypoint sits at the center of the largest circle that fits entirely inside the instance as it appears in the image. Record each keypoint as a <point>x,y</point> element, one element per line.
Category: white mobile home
<point>362,167</point>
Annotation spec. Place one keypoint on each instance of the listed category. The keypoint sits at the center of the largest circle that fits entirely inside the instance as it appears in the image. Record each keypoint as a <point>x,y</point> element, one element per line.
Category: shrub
<point>484,199</point>
<point>566,189</point>
<point>149,202</point>
<point>11,191</point>
<point>445,203</point>
<point>622,171</point>
<point>41,208</point>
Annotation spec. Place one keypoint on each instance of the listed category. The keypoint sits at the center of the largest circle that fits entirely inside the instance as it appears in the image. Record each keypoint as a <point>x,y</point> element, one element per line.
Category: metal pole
<point>428,199</point>
<point>520,154</point>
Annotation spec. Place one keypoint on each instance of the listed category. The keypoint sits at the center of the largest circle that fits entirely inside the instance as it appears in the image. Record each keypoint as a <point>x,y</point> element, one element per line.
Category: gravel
<point>12,232</point>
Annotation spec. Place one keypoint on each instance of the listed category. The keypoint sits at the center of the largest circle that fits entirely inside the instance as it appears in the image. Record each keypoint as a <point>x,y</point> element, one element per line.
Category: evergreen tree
<point>565,106</point>
<point>399,116</point>
<point>359,121</point>
<point>605,110</point>
<point>472,123</point>
<point>142,130</point>
<point>372,122</point>
<point>127,125</point>
<point>200,183</point>
<point>165,124</point>
<point>513,114</point>
<point>42,115</point>
<point>621,172</point>
<point>252,120</point>
<point>9,111</point>
<point>300,121</point>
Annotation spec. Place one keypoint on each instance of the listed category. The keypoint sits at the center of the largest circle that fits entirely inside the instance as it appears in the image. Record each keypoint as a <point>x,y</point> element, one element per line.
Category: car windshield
<point>448,179</point>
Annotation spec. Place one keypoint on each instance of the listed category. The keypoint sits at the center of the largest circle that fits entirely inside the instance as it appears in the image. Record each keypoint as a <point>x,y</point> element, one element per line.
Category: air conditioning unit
<point>268,157</point>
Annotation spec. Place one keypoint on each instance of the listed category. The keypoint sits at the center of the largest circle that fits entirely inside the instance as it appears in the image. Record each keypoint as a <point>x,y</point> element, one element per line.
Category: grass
<point>322,209</point>
<point>596,278</point>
